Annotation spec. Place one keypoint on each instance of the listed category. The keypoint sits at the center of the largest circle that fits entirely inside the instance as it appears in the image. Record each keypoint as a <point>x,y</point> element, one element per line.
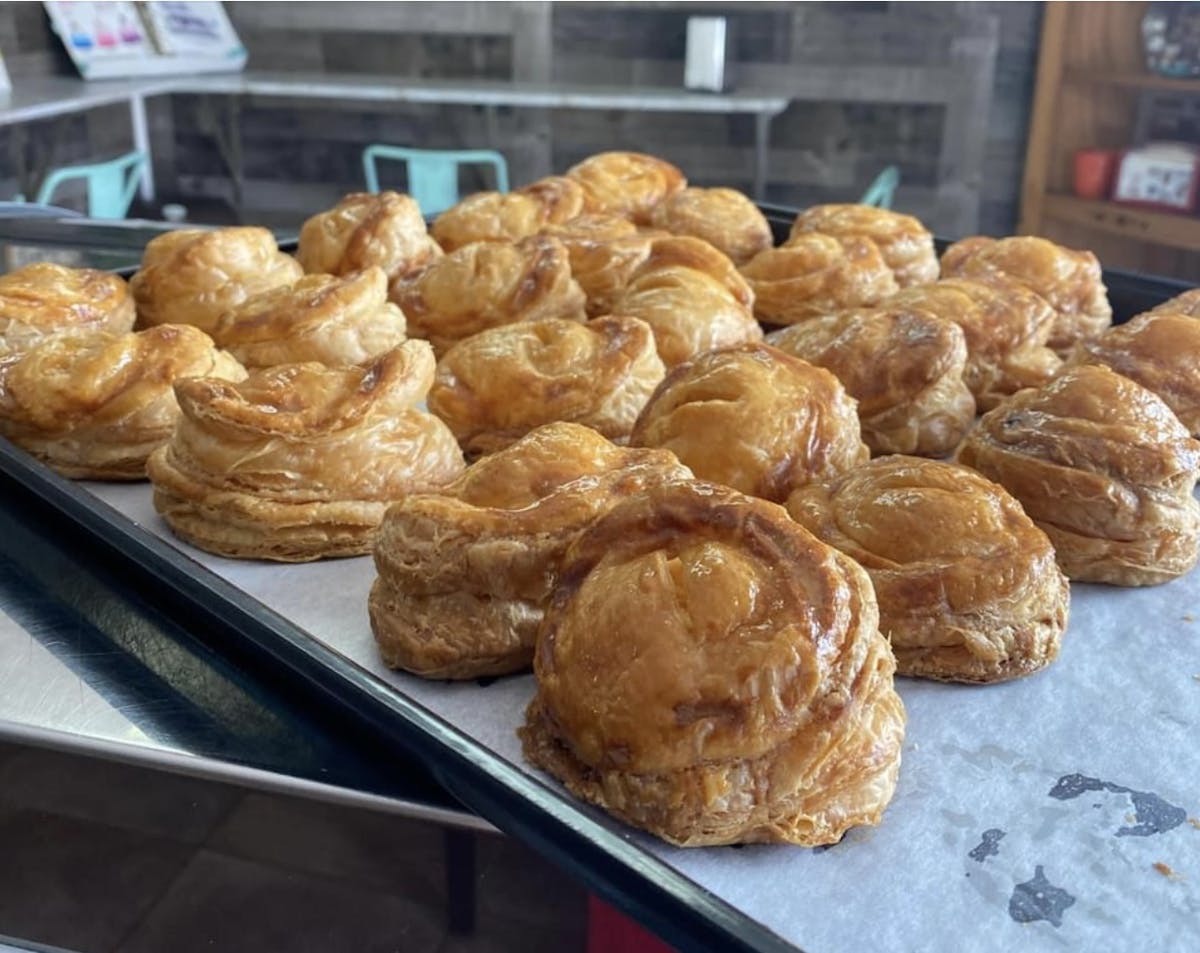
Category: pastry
<point>815,274</point>
<point>724,218</point>
<point>1006,327</point>
<point>710,672</point>
<point>488,284</point>
<point>692,296</point>
<point>604,251</point>
<point>43,299</point>
<point>1186,303</point>
<point>193,277</point>
<point>903,366</point>
<point>1104,467</point>
<point>495,387</point>
<point>509,216</point>
<point>1160,350</point>
<point>93,405</point>
<point>967,585</point>
<point>464,573</point>
<point>300,461</point>
<point>754,418</point>
<point>906,244</point>
<point>323,318</point>
<point>1070,281</point>
<point>364,229</point>
<point>628,184</point>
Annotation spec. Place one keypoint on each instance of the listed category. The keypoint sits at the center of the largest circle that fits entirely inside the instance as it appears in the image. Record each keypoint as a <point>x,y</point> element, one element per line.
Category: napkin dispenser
<point>706,66</point>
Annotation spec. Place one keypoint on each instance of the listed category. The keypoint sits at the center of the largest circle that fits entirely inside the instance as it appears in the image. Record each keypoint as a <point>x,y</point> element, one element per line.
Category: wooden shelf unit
<point>1091,73</point>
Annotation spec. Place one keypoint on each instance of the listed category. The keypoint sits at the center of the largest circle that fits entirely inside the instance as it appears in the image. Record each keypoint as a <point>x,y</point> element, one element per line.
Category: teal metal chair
<point>882,192</point>
<point>110,185</point>
<point>433,173</point>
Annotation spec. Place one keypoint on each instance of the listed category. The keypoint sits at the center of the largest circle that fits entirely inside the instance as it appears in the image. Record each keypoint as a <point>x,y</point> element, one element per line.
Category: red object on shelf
<point>1094,170</point>
<point>610,931</point>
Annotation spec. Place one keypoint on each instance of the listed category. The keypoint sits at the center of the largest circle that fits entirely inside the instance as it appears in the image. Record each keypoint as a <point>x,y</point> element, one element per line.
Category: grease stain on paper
<point>1038,899</point>
<point>1152,814</point>
<point>989,846</point>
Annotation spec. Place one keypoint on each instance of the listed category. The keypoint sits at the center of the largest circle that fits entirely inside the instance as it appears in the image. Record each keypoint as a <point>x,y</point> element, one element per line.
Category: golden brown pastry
<point>488,284</point>
<point>710,672</point>
<point>364,229</point>
<point>1104,467</point>
<point>906,244</point>
<point>193,277</point>
<point>1070,281</point>
<point>815,274</point>
<point>495,387</point>
<point>300,461</point>
<point>724,218</point>
<point>628,184</point>
<point>1186,303</point>
<point>464,573</point>
<point>320,318</point>
<point>692,296</point>
<point>509,216</point>
<point>967,585</point>
<point>1006,327</point>
<point>43,299</point>
<point>605,251</point>
<point>93,405</point>
<point>903,366</point>
<point>1161,351</point>
<point>754,418</point>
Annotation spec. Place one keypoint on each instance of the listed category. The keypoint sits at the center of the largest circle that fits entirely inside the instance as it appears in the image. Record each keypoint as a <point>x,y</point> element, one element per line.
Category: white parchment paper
<point>1028,816</point>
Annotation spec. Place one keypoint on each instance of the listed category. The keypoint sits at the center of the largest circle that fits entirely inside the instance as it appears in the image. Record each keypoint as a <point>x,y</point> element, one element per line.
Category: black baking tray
<point>281,654</point>
<point>233,623</point>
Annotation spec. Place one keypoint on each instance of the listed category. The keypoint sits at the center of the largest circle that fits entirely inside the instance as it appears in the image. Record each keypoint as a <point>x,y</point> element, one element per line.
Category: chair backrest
<point>433,173</point>
<point>110,185</point>
<point>882,192</point>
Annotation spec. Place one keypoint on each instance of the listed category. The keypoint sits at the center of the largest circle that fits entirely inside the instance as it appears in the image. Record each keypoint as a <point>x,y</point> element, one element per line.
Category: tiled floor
<point>102,857</point>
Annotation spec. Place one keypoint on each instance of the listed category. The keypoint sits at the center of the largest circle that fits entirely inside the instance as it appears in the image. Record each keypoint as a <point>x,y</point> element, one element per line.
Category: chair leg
<point>460,881</point>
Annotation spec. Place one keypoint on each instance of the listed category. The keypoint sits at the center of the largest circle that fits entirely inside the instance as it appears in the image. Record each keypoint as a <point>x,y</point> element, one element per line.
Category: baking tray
<point>1028,814</point>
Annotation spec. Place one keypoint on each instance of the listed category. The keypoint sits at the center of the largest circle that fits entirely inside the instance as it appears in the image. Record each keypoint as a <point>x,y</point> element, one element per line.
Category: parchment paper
<point>1028,815</point>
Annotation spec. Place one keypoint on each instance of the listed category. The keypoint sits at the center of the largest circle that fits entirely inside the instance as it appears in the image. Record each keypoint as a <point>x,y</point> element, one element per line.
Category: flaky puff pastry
<point>94,405</point>
<point>967,585</point>
<point>1006,327</point>
<point>628,184</point>
<point>903,366</point>
<point>724,218</point>
<point>43,299</point>
<point>510,216</point>
<point>754,418</point>
<point>692,296</point>
<point>193,277</point>
<point>1161,351</point>
<point>1186,303</point>
<point>710,672</point>
<point>1104,467</point>
<point>1070,281</point>
<point>815,274</point>
<point>605,251</point>
<point>323,318</point>
<point>384,229</point>
<point>906,244</point>
<point>464,573</point>
<point>300,461</point>
<point>488,284</point>
<point>496,386</point>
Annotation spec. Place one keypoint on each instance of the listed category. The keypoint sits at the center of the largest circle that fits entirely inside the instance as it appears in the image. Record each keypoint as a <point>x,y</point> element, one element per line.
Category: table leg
<point>762,146</point>
<point>141,142</point>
